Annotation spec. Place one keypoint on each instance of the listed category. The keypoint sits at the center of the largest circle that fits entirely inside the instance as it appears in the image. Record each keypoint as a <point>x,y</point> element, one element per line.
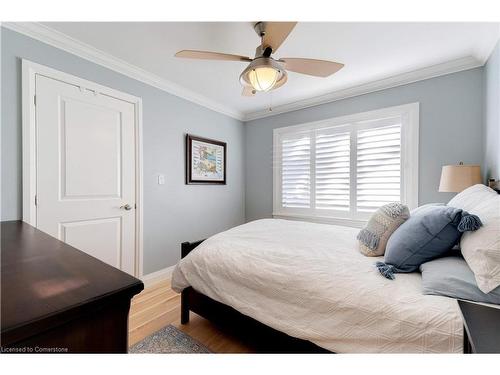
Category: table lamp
<point>455,178</point>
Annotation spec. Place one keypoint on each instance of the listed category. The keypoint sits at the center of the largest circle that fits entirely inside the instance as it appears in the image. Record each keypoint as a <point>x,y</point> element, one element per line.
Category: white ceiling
<point>370,51</point>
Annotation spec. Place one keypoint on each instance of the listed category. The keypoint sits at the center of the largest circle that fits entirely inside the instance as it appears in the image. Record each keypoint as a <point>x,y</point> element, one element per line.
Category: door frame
<point>29,143</point>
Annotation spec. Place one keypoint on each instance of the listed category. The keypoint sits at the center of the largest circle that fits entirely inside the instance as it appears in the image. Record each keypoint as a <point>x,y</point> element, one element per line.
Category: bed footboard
<point>263,338</point>
<point>186,248</point>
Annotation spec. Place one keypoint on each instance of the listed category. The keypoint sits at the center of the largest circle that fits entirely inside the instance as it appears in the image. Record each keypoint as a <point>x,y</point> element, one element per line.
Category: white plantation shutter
<point>346,168</point>
<point>296,172</point>
<point>332,171</point>
<point>378,167</point>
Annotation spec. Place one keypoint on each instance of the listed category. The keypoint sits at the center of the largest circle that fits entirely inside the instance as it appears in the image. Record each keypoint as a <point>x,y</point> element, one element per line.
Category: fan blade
<point>206,55</point>
<point>248,91</point>
<point>312,67</point>
<point>276,33</point>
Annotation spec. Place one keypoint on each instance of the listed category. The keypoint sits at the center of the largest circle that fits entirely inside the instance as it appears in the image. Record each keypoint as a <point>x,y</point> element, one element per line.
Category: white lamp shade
<point>455,178</point>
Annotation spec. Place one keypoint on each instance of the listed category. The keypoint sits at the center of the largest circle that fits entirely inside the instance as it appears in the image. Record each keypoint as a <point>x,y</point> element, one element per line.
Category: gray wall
<point>492,115</point>
<point>173,212</point>
<point>451,130</point>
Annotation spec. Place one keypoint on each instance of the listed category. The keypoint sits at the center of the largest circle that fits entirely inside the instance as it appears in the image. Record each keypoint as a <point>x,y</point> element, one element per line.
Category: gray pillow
<point>424,207</point>
<point>426,235</point>
<point>452,277</point>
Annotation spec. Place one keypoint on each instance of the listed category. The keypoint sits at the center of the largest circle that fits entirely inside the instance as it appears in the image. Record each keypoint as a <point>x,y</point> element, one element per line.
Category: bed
<point>310,282</point>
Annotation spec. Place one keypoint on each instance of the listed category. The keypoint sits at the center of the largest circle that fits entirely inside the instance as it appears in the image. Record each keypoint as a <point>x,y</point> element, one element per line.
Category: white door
<point>86,174</point>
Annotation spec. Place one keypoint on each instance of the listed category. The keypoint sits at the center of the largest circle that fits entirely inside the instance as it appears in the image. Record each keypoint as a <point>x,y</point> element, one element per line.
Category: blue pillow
<point>426,235</point>
<point>452,277</point>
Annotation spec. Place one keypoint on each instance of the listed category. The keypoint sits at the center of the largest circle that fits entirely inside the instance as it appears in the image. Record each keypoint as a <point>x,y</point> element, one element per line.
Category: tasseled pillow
<point>373,238</point>
<point>427,235</point>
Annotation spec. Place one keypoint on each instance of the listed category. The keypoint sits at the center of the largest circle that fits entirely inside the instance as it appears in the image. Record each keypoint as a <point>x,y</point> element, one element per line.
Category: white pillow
<point>481,249</point>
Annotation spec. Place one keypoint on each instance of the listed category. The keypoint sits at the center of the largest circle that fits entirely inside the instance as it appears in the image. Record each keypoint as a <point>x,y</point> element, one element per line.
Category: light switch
<point>161,179</point>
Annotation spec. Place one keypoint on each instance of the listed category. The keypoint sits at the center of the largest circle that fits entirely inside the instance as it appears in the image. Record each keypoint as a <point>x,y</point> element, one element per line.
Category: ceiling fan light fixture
<point>263,78</point>
<point>263,74</point>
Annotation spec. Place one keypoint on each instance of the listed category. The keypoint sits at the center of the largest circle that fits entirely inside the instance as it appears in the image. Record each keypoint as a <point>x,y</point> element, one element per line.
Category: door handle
<point>127,207</point>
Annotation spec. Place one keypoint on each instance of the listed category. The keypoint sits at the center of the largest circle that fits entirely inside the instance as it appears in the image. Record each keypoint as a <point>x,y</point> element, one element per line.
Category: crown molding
<point>61,41</point>
<point>465,63</point>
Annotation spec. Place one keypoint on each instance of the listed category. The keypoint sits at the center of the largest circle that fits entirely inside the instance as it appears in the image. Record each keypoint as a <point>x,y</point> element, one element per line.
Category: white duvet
<point>310,281</point>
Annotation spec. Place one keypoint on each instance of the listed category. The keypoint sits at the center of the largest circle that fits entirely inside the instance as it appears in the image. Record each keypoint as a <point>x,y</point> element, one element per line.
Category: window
<point>342,169</point>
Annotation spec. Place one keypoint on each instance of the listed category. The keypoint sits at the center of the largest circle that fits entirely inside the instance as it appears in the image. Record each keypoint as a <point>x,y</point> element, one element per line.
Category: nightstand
<point>481,328</point>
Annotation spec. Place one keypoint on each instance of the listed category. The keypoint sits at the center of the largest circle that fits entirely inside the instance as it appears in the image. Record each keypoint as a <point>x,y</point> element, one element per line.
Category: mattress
<point>310,281</point>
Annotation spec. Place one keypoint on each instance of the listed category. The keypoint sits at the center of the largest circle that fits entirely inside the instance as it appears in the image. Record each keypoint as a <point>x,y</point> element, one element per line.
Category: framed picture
<point>205,161</point>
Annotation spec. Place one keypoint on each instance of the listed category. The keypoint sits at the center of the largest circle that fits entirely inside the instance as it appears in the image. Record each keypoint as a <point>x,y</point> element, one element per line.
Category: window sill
<point>346,222</point>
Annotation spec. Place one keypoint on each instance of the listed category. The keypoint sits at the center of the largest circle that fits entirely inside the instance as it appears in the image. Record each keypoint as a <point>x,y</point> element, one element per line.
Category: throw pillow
<point>373,238</point>
<point>427,235</point>
<point>481,249</point>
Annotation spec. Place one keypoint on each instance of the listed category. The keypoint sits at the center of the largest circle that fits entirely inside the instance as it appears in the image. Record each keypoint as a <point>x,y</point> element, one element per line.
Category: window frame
<point>409,114</point>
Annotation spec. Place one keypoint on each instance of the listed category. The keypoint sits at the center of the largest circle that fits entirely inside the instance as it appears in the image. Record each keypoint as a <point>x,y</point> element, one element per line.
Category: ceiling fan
<point>265,73</point>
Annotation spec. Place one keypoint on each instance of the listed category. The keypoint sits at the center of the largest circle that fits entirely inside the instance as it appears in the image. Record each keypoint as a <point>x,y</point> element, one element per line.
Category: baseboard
<point>158,276</point>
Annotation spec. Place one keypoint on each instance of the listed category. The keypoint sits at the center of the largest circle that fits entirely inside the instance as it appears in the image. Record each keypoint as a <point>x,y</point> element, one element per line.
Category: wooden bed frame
<point>260,337</point>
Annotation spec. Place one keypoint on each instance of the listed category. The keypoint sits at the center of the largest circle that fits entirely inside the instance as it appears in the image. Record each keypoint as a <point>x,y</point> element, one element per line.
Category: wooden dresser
<point>57,299</point>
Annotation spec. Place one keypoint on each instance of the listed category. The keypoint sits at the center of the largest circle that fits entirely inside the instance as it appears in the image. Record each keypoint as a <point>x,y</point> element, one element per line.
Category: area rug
<point>169,340</point>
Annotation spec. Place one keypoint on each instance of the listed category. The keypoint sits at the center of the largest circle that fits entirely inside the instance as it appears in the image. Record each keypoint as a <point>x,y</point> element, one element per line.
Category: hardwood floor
<point>158,306</point>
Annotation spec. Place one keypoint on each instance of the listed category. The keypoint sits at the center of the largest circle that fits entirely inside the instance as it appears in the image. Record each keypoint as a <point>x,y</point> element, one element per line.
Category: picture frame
<point>205,161</point>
